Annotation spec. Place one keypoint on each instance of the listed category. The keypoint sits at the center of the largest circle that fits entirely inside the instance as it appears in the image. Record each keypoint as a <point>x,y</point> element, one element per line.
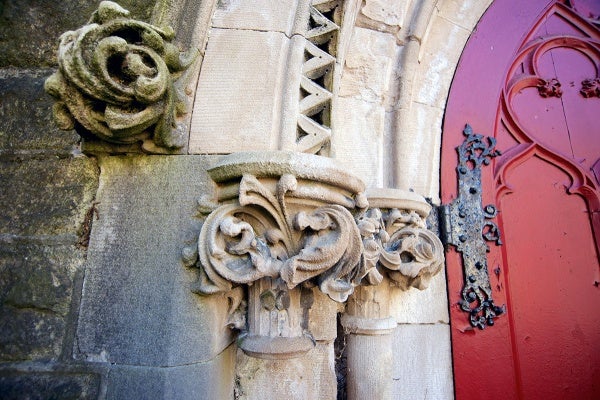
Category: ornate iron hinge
<point>467,225</point>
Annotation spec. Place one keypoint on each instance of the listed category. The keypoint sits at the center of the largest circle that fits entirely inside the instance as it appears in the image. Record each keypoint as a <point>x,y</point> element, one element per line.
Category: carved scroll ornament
<point>397,242</point>
<point>115,80</point>
<point>292,222</point>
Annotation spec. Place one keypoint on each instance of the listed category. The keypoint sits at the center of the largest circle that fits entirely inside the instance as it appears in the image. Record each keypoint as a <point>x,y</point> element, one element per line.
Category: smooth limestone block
<point>209,380</point>
<point>441,51</point>
<point>422,362</point>
<point>137,307</point>
<point>358,139</point>
<point>418,158</point>
<point>427,306</point>
<point>239,92</point>
<point>260,15</point>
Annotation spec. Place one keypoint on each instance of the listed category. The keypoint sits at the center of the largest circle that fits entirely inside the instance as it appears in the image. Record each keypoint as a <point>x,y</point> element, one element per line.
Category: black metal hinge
<point>467,225</point>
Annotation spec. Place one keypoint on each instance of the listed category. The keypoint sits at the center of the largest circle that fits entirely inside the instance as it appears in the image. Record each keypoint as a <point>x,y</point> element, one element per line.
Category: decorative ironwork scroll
<point>467,225</point>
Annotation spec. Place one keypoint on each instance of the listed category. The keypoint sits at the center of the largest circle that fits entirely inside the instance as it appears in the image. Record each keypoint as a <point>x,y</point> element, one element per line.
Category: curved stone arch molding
<point>428,45</point>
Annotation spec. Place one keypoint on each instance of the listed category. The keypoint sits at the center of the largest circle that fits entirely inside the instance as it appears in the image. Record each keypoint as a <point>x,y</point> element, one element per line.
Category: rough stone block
<point>29,29</point>
<point>137,305</point>
<point>30,334</point>
<point>211,380</point>
<point>38,277</point>
<point>46,196</point>
<point>422,362</point>
<point>238,92</point>
<point>22,94</point>
<point>36,287</point>
<point>41,385</point>
<point>358,140</point>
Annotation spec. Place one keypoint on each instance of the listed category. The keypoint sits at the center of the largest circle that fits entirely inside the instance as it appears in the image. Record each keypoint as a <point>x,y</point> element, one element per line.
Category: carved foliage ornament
<point>293,225</point>
<point>260,237</point>
<point>115,79</point>
<point>397,243</point>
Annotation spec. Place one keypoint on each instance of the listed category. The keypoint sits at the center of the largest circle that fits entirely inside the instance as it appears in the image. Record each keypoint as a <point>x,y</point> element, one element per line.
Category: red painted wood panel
<point>547,345</point>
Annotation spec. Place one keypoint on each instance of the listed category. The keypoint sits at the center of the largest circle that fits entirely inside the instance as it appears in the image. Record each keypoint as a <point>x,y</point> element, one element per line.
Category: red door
<point>530,78</point>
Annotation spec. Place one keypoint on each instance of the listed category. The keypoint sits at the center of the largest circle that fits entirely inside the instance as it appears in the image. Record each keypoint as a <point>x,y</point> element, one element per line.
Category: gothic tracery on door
<point>532,81</point>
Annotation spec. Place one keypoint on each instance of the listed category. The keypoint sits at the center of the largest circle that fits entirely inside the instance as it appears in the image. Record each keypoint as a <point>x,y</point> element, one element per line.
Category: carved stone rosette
<point>290,222</point>
<point>115,80</point>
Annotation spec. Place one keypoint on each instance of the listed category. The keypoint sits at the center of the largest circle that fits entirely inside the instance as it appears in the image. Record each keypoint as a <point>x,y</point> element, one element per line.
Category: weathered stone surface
<point>137,305</point>
<point>22,94</point>
<point>389,12</point>
<point>240,83</point>
<point>46,196</point>
<point>41,386</point>
<point>29,29</point>
<point>422,362</point>
<point>38,277</point>
<point>311,376</point>
<point>369,64</point>
<point>359,141</point>
<point>30,334</point>
<point>210,380</point>
<point>260,15</point>
<point>36,287</point>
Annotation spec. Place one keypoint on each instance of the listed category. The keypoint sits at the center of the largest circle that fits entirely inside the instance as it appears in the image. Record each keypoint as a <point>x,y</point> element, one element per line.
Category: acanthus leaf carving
<point>116,80</point>
<point>300,223</point>
<point>398,244</point>
<point>240,244</point>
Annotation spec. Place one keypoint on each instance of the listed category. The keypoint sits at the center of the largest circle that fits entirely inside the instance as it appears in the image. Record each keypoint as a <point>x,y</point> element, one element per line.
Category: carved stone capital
<point>396,240</point>
<point>115,81</point>
<point>290,223</point>
<point>286,225</point>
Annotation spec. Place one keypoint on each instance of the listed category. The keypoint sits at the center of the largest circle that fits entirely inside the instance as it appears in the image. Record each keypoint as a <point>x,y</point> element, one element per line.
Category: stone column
<point>398,251</point>
<point>369,326</point>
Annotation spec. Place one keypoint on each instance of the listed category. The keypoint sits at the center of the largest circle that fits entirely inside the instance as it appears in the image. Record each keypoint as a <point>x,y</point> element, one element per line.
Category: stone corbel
<point>290,223</point>
<point>115,82</point>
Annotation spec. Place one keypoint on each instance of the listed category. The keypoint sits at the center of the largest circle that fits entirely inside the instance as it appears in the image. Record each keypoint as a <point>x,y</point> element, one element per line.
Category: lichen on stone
<point>116,80</point>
